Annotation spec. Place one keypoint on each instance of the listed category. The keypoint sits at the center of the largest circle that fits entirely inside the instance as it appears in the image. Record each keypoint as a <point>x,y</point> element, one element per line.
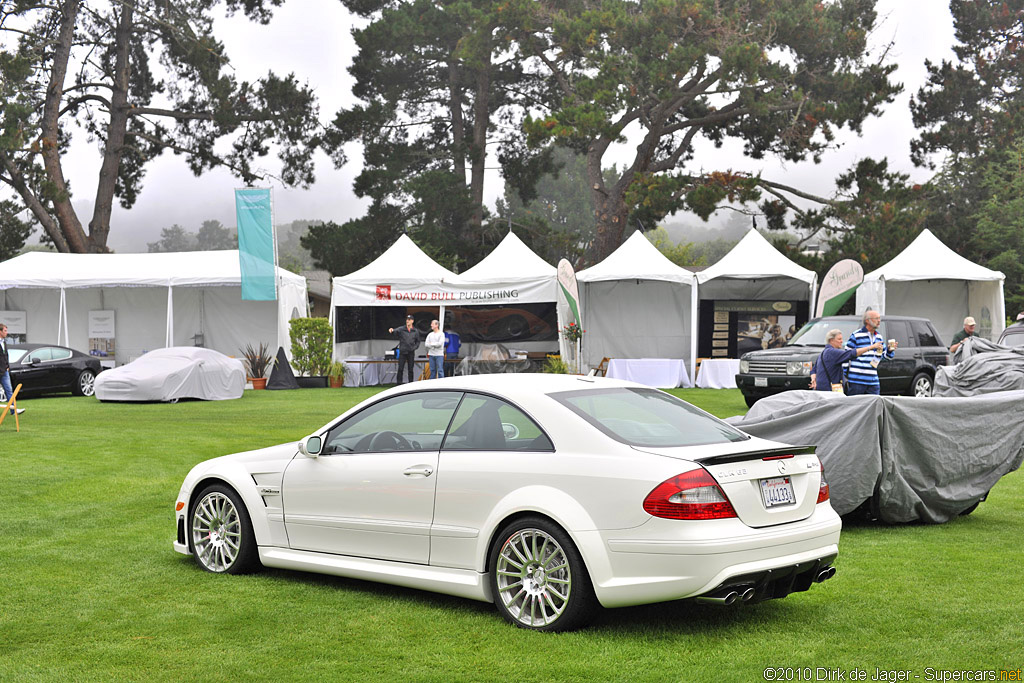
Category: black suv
<point>912,371</point>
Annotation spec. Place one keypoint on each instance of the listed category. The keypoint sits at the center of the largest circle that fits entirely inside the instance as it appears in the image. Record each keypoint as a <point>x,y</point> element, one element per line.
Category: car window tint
<point>60,354</point>
<point>647,417</point>
<point>898,330</point>
<point>407,422</point>
<point>14,355</point>
<point>815,332</point>
<point>485,423</point>
<point>925,335</point>
<point>39,355</point>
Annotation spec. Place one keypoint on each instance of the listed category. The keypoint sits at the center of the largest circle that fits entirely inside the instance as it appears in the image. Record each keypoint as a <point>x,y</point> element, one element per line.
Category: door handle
<point>419,471</point>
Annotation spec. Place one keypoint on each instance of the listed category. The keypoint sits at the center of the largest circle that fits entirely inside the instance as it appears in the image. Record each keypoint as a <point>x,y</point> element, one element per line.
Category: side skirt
<point>462,583</point>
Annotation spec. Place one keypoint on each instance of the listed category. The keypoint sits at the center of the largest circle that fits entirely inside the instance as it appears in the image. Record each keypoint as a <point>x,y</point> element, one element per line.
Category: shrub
<point>311,345</point>
<point>555,365</point>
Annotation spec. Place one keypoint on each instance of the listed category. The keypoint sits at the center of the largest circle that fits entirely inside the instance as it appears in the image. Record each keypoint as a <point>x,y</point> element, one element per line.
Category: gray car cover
<point>926,459</point>
<point>981,368</point>
<point>173,373</point>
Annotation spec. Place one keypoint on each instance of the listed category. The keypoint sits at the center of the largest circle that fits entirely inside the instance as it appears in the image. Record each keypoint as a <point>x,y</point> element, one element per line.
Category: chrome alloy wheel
<point>534,580</point>
<point>216,532</point>
<point>87,383</point>
<point>923,386</point>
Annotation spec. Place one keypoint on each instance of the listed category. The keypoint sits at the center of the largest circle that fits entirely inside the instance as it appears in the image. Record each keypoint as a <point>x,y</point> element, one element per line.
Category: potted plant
<point>336,374</point>
<point>257,361</point>
<point>311,350</point>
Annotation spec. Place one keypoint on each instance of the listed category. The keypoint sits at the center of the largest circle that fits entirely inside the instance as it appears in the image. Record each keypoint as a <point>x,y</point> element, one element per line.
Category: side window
<point>409,422</point>
<point>60,354</point>
<point>484,423</point>
<point>898,330</point>
<point>40,355</point>
<point>925,335</point>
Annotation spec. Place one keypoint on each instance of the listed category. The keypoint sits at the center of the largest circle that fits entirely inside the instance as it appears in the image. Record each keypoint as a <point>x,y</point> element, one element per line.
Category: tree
<point>1000,222</point>
<point>433,78</point>
<point>213,236</point>
<point>174,238</point>
<point>677,252</point>
<point>141,77</point>
<point>781,77</point>
<point>13,230</point>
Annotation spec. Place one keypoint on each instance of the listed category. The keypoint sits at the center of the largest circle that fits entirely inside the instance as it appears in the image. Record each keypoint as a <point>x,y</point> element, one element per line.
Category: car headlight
<point>744,366</point>
<point>798,367</point>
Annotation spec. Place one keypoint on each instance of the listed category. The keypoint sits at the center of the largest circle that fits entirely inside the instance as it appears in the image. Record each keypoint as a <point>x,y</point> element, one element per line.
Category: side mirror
<point>310,446</point>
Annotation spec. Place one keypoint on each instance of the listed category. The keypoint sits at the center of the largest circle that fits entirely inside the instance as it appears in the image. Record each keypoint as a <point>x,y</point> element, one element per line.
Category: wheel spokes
<point>533,578</point>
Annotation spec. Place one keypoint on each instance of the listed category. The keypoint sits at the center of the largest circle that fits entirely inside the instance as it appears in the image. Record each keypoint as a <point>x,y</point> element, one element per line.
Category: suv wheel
<point>922,385</point>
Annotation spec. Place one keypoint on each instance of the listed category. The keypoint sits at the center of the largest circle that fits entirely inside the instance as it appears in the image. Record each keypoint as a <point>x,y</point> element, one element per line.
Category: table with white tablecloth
<point>654,372</point>
<point>718,373</point>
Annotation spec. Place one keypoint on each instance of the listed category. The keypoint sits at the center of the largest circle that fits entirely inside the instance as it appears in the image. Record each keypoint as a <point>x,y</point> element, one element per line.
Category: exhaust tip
<point>746,595</point>
<point>825,574</point>
<point>726,598</point>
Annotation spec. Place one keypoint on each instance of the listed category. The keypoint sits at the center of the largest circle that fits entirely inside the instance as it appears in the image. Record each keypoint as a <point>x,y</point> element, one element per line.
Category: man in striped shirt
<point>862,376</point>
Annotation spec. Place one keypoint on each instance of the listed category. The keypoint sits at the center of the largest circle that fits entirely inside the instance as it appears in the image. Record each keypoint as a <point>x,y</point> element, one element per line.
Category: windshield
<point>647,417</point>
<point>14,355</point>
<point>814,332</point>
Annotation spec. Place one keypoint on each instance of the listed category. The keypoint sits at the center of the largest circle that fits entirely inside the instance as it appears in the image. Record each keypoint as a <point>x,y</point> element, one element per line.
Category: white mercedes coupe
<point>546,494</point>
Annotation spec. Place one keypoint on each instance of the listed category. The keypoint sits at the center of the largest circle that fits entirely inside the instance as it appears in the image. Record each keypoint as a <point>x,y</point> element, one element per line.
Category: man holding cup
<point>862,377</point>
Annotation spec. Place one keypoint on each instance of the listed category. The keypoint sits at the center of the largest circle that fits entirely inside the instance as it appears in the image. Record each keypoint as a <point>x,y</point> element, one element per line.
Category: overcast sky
<point>312,38</point>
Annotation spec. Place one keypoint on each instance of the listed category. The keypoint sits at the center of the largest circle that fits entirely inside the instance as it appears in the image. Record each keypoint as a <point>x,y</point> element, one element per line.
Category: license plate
<point>760,381</point>
<point>777,491</point>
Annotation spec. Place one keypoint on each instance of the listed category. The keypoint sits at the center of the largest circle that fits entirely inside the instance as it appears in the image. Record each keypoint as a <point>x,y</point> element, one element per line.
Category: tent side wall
<point>636,319</point>
<point>756,289</point>
<point>946,303</point>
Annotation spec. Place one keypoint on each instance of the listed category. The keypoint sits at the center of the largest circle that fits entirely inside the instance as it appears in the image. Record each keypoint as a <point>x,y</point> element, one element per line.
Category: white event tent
<point>930,280</point>
<point>405,276</point>
<point>159,300</point>
<point>755,270</point>
<point>638,304</point>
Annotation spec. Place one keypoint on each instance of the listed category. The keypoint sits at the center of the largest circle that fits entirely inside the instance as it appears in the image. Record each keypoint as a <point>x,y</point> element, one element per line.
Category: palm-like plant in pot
<point>257,361</point>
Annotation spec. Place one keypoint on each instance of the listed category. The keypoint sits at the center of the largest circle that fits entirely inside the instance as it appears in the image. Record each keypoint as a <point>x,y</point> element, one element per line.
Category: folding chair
<point>13,403</point>
<point>602,367</point>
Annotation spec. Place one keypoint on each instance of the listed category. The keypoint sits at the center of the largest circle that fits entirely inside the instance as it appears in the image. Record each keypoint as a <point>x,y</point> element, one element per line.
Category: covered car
<point>982,367</point>
<point>173,373</point>
<point>901,459</point>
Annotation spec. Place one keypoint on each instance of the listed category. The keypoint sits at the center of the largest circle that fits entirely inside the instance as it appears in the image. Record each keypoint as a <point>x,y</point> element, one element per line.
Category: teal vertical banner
<point>256,244</point>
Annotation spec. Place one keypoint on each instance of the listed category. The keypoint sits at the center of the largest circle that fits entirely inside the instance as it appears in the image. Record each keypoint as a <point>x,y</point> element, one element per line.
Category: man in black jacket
<point>5,367</point>
<point>408,344</point>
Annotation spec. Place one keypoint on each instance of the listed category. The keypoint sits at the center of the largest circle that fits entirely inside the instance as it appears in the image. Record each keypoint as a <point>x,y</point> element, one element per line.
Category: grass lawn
<point>91,589</point>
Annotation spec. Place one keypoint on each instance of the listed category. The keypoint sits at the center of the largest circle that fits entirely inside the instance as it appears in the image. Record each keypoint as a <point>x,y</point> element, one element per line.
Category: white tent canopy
<point>405,276</point>
<point>930,280</point>
<point>161,299</point>
<point>756,270</point>
<point>638,304</point>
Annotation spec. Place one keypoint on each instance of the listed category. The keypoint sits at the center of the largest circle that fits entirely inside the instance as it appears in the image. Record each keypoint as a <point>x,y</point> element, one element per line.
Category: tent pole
<point>170,317</point>
<point>694,302</point>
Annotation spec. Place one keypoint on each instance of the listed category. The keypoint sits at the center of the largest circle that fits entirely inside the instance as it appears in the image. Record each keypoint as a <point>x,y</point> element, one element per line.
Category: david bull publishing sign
<point>838,285</point>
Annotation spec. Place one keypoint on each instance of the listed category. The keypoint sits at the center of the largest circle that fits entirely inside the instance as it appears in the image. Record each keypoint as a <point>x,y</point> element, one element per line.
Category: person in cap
<point>968,331</point>
<point>408,344</point>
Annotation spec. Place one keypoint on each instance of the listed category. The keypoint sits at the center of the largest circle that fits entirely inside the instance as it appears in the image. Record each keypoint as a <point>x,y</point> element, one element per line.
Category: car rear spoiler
<point>764,453</point>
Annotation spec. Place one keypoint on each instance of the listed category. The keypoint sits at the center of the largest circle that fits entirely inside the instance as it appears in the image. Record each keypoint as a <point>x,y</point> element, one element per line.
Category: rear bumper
<point>670,560</point>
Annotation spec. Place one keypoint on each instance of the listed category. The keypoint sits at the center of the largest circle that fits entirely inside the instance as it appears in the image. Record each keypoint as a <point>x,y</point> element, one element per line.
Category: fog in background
<point>312,38</point>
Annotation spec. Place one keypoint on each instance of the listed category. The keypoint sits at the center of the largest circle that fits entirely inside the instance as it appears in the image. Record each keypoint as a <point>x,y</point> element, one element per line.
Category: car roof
<point>513,385</point>
<point>860,318</point>
<point>32,347</point>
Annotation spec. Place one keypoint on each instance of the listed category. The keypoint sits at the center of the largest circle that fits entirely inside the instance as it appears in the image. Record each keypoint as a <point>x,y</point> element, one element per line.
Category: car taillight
<point>691,495</point>
<point>823,486</point>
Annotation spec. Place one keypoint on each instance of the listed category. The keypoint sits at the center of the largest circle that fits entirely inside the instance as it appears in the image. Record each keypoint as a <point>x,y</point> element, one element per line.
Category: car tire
<point>538,578</point>
<point>750,400</point>
<point>922,385</point>
<point>85,384</point>
<point>220,532</point>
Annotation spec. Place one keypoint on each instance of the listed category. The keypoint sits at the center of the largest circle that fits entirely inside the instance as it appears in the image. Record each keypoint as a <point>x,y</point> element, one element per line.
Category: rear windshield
<point>647,417</point>
<point>14,355</point>
<point>814,332</point>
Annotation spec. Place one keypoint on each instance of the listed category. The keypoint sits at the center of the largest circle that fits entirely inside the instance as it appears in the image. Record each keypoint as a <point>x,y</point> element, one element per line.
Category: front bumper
<point>669,560</point>
<point>775,384</point>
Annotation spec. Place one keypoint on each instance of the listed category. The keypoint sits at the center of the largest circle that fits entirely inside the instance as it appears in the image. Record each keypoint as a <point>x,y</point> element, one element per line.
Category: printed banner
<point>838,285</point>
<point>256,252</point>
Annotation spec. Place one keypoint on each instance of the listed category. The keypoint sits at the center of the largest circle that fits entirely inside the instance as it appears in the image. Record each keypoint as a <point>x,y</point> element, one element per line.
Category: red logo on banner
<point>383,292</point>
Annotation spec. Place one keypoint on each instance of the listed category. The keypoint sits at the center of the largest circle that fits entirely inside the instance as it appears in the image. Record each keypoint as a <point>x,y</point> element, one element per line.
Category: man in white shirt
<point>435,350</point>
